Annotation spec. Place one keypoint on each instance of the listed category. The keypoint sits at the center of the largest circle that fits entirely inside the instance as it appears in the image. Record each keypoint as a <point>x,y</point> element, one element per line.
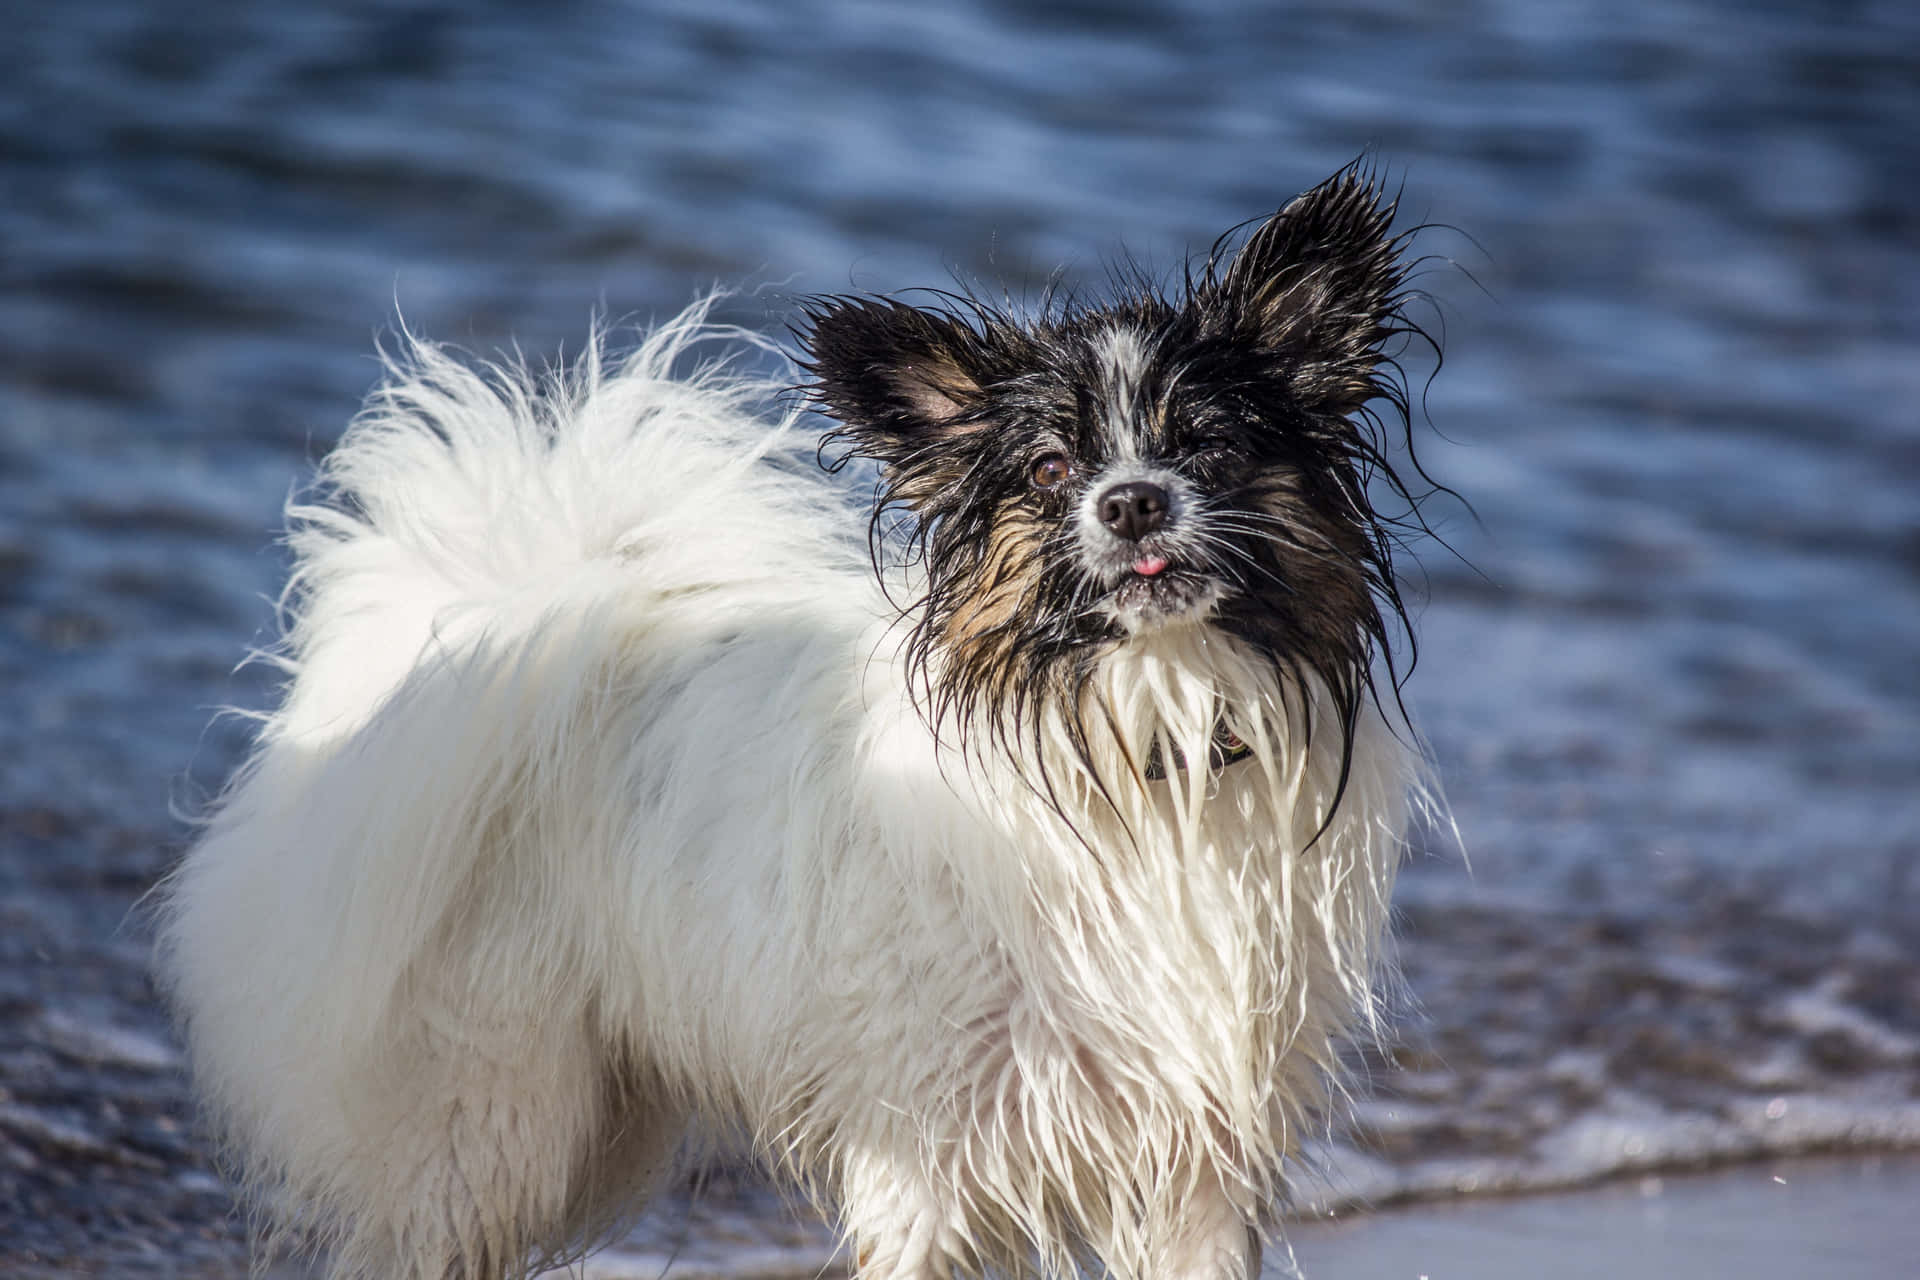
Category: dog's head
<point>1092,476</point>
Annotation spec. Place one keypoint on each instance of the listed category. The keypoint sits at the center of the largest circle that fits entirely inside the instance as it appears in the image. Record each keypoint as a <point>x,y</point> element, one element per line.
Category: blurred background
<point>1669,677</point>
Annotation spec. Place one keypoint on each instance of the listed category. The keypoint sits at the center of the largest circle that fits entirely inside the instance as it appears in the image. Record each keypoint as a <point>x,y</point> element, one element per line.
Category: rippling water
<point>1671,683</point>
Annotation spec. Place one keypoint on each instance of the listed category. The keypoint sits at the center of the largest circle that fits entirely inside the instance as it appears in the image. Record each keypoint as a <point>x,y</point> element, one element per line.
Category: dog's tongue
<point>1147,566</point>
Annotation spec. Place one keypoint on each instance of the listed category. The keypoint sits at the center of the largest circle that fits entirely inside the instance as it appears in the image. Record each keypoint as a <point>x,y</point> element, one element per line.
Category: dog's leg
<point>1214,1243</point>
<point>486,1144</point>
<point>899,1229</point>
<point>642,1134</point>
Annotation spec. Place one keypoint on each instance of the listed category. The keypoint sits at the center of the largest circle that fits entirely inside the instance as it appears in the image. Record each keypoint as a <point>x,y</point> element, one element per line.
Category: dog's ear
<point>1318,284</point>
<point>900,379</point>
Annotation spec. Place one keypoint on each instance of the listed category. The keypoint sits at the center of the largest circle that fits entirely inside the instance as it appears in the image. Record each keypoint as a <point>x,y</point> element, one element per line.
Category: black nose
<point>1134,510</point>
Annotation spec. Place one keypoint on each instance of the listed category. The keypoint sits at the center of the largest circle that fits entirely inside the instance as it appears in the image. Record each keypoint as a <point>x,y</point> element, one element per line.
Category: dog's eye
<point>1050,472</point>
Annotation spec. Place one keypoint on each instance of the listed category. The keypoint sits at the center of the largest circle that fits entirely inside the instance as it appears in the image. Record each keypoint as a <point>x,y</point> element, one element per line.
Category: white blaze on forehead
<point>1123,366</point>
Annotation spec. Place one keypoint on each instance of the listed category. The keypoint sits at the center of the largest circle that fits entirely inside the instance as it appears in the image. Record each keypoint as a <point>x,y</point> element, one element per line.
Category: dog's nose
<point>1134,510</point>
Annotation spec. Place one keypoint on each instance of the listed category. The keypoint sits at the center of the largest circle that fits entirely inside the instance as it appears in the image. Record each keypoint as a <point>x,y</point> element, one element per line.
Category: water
<point>1670,683</point>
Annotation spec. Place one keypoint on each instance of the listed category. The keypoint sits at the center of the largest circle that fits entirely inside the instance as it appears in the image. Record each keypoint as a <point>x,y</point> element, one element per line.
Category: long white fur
<point>598,813</point>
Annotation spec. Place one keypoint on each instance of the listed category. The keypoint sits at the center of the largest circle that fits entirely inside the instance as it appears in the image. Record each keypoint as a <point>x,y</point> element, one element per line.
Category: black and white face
<point>1094,476</point>
<point>1146,517</point>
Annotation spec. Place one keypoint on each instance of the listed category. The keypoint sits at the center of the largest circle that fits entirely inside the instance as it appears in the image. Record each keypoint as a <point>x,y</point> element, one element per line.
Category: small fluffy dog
<point>1008,868</point>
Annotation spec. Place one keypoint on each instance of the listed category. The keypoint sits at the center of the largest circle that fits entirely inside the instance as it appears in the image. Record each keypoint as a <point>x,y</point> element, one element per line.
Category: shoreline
<point>1837,1217</point>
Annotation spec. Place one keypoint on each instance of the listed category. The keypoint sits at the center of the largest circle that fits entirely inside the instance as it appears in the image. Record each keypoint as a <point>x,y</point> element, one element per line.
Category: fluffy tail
<point>359,936</point>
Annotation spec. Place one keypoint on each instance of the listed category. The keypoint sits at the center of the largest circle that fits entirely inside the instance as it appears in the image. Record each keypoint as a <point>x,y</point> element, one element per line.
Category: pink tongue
<point>1147,566</point>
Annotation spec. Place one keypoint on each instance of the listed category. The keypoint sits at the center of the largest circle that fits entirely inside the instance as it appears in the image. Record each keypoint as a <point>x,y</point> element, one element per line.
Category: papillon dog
<point>1008,860</point>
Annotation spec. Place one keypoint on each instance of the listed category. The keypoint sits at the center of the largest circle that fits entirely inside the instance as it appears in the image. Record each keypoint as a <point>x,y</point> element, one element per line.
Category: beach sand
<point>1852,1218</point>
<point>1856,1218</point>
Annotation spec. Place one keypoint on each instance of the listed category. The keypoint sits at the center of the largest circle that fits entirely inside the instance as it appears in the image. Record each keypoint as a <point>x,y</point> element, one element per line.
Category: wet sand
<point>1836,1219</point>
<point>1852,1218</point>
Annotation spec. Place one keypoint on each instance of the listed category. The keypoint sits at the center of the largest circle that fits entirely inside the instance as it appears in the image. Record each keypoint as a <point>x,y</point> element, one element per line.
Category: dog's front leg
<point>1214,1243</point>
<point>899,1228</point>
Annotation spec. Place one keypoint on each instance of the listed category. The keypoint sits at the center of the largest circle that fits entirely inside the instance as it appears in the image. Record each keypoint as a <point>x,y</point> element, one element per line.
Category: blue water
<point>1679,277</point>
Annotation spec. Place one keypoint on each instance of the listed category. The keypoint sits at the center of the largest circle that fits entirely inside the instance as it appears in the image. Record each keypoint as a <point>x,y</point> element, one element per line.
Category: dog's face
<point>1095,475</point>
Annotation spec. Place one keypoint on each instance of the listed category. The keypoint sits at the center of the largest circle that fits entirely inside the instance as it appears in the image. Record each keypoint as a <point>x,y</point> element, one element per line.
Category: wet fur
<point>615,799</point>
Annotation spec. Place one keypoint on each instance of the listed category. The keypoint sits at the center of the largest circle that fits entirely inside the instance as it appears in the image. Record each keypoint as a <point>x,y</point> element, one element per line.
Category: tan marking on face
<point>941,472</point>
<point>1009,571</point>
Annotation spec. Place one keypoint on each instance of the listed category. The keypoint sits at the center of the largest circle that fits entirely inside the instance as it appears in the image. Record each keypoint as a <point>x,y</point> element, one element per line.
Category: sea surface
<point>1670,655</point>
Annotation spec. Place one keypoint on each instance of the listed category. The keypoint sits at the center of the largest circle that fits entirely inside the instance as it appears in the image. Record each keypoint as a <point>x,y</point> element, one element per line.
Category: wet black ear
<point>1319,284</point>
<point>898,378</point>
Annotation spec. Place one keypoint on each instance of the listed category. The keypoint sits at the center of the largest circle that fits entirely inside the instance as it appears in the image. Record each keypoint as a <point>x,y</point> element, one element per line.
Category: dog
<point>1007,859</point>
